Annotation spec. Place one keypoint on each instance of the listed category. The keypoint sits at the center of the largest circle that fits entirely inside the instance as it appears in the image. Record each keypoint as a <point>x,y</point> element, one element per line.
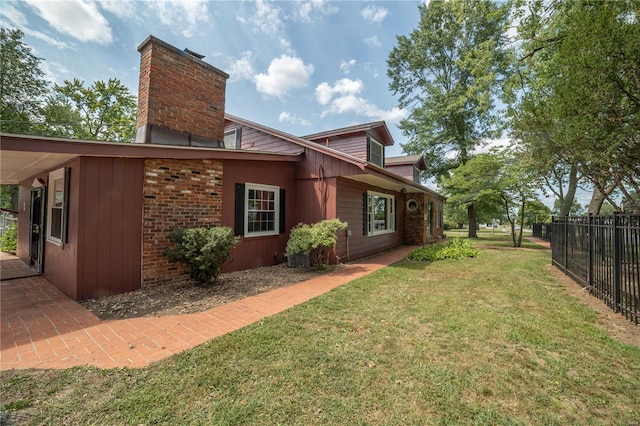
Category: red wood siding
<point>61,262</point>
<point>404,170</point>
<point>254,140</point>
<point>253,252</point>
<point>350,208</point>
<point>352,145</point>
<point>110,226</point>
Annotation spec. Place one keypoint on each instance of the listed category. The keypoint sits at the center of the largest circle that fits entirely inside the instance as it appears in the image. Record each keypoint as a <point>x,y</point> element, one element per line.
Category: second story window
<point>375,152</point>
<point>232,139</point>
<point>416,174</point>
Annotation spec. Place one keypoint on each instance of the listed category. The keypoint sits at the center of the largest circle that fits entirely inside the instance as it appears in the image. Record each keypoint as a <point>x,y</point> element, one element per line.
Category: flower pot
<point>298,260</point>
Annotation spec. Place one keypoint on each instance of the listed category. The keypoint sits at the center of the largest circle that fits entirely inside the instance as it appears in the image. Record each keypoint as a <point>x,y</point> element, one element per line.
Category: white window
<point>232,139</point>
<point>381,213</point>
<point>56,207</point>
<point>262,207</point>
<point>416,174</point>
<point>376,152</point>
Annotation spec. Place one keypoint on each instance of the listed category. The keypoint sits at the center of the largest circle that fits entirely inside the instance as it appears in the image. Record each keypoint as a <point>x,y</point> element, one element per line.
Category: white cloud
<point>17,19</point>
<point>304,10</point>
<point>265,18</point>
<point>346,101</point>
<point>343,87</point>
<point>373,41</point>
<point>77,18</point>
<point>120,8</point>
<point>374,14</point>
<point>345,66</point>
<point>289,118</point>
<point>241,68</point>
<point>368,66</point>
<point>286,46</point>
<point>181,16</point>
<point>285,73</point>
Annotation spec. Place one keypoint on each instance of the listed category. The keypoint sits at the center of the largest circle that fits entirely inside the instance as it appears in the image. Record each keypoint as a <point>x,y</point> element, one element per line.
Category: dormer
<point>407,166</point>
<point>364,141</point>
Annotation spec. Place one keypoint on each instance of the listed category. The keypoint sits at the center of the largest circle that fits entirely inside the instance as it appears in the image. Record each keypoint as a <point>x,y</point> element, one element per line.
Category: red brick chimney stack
<point>180,97</point>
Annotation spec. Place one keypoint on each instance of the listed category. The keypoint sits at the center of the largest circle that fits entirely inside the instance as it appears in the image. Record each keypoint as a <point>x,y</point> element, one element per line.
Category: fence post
<point>566,243</point>
<point>590,233</point>
<point>617,263</point>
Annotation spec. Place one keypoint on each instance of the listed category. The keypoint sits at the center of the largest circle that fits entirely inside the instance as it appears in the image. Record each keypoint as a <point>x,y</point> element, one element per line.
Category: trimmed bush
<point>315,240</point>
<point>203,250</point>
<point>457,248</point>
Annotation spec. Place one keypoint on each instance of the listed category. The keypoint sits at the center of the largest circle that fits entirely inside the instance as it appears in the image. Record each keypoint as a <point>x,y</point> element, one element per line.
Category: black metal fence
<point>542,230</point>
<point>602,253</point>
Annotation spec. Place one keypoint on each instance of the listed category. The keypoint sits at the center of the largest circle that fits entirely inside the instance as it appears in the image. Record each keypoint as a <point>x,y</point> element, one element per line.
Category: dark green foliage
<point>458,248</point>
<point>204,251</point>
<point>316,240</point>
<point>9,240</point>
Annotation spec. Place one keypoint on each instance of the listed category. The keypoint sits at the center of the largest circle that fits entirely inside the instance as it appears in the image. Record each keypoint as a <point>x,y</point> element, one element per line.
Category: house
<point>94,216</point>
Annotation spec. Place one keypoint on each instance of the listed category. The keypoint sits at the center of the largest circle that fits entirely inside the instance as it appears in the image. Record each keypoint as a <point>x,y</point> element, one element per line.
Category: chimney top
<point>191,52</point>
<point>186,53</point>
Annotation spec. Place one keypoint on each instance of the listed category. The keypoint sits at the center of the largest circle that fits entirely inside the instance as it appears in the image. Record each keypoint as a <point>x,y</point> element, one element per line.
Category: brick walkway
<point>42,328</point>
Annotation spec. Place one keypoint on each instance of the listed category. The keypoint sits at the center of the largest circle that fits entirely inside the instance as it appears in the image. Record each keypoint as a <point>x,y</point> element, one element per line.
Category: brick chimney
<point>180,97</point>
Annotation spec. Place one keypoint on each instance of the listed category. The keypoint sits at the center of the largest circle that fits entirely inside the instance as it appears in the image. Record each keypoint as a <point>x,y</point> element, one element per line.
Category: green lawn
<point>488,340</point>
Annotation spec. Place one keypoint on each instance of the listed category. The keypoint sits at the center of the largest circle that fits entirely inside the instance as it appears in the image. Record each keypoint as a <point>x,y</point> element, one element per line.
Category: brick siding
<point>177,194</point>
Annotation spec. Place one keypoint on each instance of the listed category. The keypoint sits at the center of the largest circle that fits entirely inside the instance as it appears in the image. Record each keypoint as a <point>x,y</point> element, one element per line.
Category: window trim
<point>416,174</point>
<point>372,143</point>
<point>57,175</point>
<point>391,214</point>
<point>237,138</point>
<point>276,209</point>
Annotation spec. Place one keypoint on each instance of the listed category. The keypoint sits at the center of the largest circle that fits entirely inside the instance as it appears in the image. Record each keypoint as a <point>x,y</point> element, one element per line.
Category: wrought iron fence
<point>8,219</point>
<point>601,253</point>
<point>542,231</point>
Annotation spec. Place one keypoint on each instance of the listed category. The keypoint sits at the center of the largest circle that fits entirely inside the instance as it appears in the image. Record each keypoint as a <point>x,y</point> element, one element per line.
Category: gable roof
<point>374,175</point>
<point>24,155</point>
<point>404,160</point>
<point>378,129</point>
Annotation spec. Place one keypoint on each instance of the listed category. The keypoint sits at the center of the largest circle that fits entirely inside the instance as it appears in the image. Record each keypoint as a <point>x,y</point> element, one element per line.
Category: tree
<point>447,72</point>
<point>102,111</point>
<point>22,83</point>
<point>580,92</point>
<point>536,212</point>
<point>474,183</point>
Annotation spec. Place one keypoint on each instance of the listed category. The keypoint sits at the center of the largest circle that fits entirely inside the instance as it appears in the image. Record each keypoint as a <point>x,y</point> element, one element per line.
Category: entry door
<point>37,228</point>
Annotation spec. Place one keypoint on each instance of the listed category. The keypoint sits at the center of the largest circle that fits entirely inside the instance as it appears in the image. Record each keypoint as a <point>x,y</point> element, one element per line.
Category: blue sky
<point>301,67</point>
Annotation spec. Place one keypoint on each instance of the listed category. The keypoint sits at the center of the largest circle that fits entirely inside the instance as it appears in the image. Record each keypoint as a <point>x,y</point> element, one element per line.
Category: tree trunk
<point>471,215</point>
<point>524,203</point>
<point>597,199</point>
<point>565,204</point>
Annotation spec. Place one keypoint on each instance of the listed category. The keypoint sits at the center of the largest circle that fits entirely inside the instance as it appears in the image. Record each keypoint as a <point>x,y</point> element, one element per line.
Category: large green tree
<point>22,83</point>
<point>102,111</point>
<point>580,92</point>
<point>447,73</point>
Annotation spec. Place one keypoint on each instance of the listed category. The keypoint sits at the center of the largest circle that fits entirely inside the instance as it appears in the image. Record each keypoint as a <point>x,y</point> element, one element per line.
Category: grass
<point>488,340</point>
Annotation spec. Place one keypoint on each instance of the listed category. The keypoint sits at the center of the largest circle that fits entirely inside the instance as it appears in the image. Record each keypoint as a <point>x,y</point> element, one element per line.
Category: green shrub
<point>204,251</point>
<point>9,240</point>
<point>316,240</point>
<point>457,248</point>
<point>449,224</point>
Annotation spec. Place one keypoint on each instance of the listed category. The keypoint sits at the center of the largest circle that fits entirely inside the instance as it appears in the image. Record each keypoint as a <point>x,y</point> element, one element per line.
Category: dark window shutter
<point>368,148</point>
<point>365,216</point>
<point>65,213</point>
<point>283,202</point>
<point>239,224</point>
<point>238,137</point>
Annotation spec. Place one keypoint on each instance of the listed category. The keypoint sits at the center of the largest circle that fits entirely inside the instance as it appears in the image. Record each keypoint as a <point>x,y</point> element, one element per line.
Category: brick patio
<point>43,328</point>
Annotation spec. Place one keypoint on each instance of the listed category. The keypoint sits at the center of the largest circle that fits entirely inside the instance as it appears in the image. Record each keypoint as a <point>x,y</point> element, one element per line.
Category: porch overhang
<point>23,156</point>
<point>382,178</point>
